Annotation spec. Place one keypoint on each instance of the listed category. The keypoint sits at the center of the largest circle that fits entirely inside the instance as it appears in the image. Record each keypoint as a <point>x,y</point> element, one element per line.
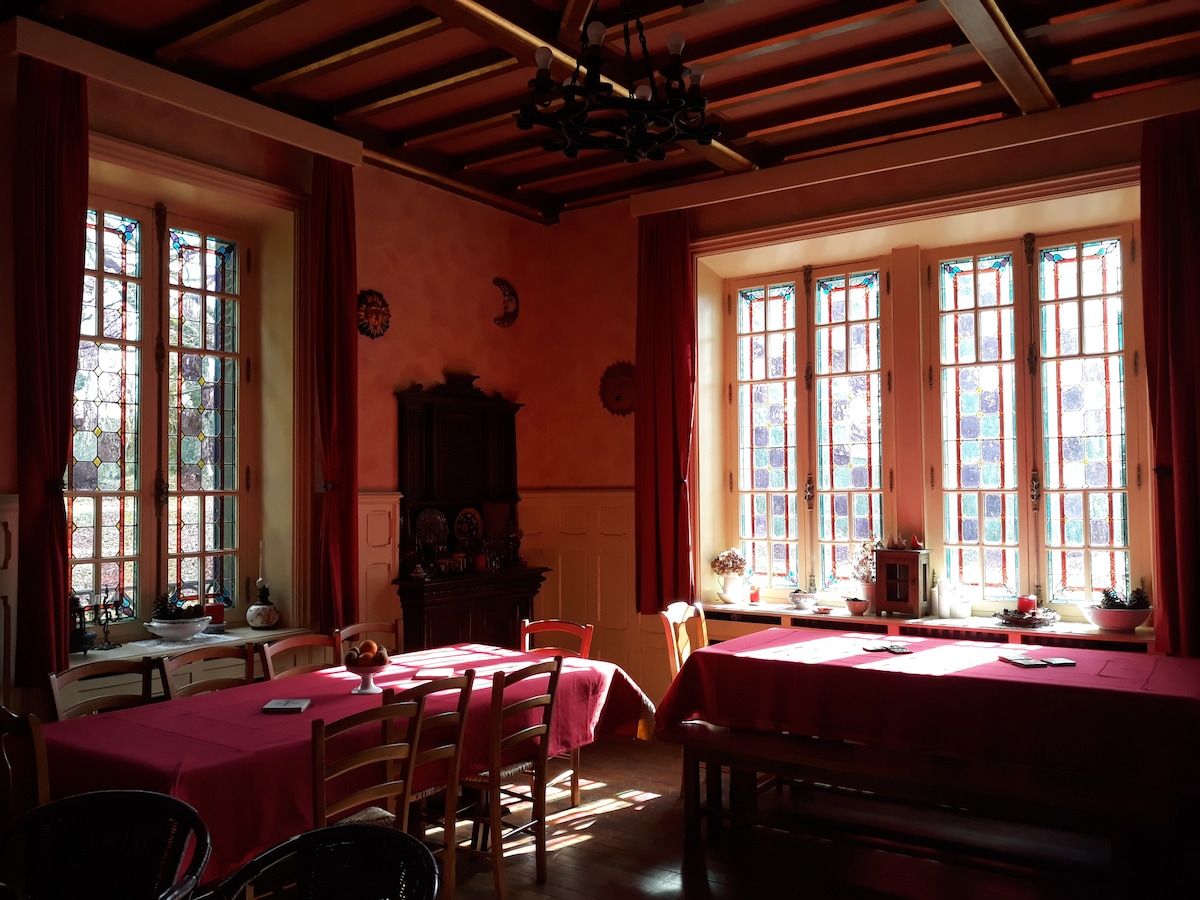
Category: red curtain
<point>335,360</point>
<point>50,193</point>
<point>666,401</point>
<point>1171,297</point>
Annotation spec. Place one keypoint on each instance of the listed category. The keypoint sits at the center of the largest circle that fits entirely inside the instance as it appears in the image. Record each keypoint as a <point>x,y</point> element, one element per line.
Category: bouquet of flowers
<point>862,560</point>
<point>729,562</point>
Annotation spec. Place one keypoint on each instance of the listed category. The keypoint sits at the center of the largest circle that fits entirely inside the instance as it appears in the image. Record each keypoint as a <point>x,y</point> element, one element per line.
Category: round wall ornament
<point>618,388</point>
<point>374,316</point>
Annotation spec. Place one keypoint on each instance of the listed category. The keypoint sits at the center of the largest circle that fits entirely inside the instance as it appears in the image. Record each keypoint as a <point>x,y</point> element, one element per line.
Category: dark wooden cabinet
<point>484,607</point>
<point>458,458</point>
<point>902,582</point>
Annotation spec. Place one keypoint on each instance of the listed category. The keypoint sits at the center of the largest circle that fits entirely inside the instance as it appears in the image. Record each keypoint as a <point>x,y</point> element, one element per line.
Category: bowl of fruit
<point>366,660</point>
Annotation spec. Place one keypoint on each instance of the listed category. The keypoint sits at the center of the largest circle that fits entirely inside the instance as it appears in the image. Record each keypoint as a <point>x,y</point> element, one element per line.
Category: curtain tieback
<point>327,486</point>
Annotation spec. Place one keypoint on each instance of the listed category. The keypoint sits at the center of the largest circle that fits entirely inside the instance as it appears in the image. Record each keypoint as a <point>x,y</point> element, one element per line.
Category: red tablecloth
<point>248,773</point>
<point>1134,715</point>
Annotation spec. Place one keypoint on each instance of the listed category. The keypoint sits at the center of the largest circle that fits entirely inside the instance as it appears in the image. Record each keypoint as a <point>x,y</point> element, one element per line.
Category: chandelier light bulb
<point>675,42</point>
<point>642,92</point>
<point>595,33</point>
<point>543,56</point>
<point>695,76</point>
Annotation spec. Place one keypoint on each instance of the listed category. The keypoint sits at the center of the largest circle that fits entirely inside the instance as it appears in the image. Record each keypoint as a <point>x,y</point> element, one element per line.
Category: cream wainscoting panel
<point>585,537</point>
<point>378,556</point>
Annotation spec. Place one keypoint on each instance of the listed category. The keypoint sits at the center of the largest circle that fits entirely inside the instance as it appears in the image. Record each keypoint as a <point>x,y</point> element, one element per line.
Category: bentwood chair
<point>24,772</point>
<point>186,673</point>
<point>71,699</point>
<point>276,655</point>
<point>437,765</point>
<point>366,759</point>
<point>385,634</point>
<point>518,746</point>
<point>534,635</point>
<point>352,861</point>
<point>681,642</point>
<point>157,844</point>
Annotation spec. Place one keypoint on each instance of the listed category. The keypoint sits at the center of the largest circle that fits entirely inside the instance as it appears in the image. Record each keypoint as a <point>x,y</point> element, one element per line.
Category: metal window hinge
<point>1032,359</point>
<point>249,260</point>
<point>1139,476</point>
<point>808,376</point>
<point>931,485</point>
<point>1137,363</point>
<point>249,370</point>
<point>247,479</point>
<point>729,304</point>
<point>891,480</point>
<point>729,393</point>
<point>731,482</point>
<point>887,280</point>
<point>929,278</point>
<point>1133,249</point>
<point>889,385</point>
<point>931,378</point>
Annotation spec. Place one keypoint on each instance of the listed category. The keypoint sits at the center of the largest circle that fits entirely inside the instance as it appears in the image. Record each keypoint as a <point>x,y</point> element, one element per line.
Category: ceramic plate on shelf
<point>468,526</point>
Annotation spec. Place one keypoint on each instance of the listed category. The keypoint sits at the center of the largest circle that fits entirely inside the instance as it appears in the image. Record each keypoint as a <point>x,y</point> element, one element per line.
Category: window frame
<point>152,452</point>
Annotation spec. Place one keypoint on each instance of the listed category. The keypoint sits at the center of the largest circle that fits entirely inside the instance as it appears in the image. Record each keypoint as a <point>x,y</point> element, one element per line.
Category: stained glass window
<point>116,419</point>
<point>846,384</point>
<point>767,479</point>
<point>980,476</point>
<point>1083,419</point>
<point>202,366</point>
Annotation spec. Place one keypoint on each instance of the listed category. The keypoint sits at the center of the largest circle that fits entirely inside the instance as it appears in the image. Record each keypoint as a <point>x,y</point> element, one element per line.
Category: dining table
<point>248,772</point>
<point>1098,740</point>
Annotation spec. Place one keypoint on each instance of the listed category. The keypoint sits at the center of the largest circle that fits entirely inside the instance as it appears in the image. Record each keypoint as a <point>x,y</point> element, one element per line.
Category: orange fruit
<point>367,648</point>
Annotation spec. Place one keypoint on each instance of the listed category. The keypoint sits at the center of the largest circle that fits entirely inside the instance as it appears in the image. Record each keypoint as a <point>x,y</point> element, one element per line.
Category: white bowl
<point>801,600</point>
<point>178,629</point>
<point>1115,619</point>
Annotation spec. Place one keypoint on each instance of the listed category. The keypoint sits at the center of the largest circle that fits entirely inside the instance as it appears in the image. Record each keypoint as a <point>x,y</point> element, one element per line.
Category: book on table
<point>281,705</point>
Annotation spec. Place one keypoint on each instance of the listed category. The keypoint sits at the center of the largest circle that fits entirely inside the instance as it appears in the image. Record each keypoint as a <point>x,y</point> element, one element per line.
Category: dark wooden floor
<point>626,840</point>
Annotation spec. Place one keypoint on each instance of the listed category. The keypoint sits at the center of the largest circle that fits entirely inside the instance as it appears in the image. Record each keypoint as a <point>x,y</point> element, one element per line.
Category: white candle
<point>261,561</point>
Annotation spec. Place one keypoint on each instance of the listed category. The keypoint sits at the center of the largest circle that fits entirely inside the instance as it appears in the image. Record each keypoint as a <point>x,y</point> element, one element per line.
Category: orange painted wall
<point>433,256</point>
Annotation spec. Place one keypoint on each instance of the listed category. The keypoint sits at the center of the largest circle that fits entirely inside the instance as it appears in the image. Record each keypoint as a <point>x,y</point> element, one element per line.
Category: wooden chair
<point>65,686</point>
<point>518,746</point>
<point>385,634</point>
<point>190,663</point>
<point>439,755</point>
<point>680,643</point>
<point>24,772</point>
<point>364,759</point>
<point>557,629</point>
<point>275,654</point>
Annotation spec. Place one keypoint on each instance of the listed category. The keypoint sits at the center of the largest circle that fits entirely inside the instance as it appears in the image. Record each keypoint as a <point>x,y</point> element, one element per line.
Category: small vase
<point>264,614</point>
<point>733,590</point>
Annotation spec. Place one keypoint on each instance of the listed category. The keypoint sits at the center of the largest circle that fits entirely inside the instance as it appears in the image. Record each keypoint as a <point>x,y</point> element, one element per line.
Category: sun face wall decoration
<point>374,315</point>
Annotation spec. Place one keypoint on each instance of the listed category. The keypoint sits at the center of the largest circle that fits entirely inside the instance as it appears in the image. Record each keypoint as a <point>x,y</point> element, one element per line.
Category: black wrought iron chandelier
<point>588,113</point>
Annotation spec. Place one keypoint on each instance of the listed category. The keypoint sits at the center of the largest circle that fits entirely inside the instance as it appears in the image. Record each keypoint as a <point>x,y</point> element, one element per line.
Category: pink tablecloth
<point>1131,714</point>
<point>248,773</point>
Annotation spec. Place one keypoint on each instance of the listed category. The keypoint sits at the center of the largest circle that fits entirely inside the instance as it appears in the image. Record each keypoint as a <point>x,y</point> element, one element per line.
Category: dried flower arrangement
<point>862,560</point>
<point>729,562</point>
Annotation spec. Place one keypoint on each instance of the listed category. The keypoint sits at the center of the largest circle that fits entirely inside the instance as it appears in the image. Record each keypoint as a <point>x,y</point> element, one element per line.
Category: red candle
<point>1027,603</point>
<point>217,611</point>
<point>754,595</point>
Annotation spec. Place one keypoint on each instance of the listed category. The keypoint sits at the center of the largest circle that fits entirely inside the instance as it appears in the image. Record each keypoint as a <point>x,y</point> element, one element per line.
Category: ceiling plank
<point>449,76</point>
<point>989,32</point>
<point>239,20</point>
<point>572,21</point>
<point>347,49</point>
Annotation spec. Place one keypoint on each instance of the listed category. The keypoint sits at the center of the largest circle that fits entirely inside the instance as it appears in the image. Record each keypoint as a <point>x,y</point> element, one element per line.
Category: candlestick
<point>261,561</point>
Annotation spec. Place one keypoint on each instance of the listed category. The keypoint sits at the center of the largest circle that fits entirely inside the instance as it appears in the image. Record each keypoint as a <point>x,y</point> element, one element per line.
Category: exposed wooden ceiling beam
<point>989,32</point>
<point>347,49</point>
<point>446,77</point>
<point>570,25</point>
<point>249,14</point>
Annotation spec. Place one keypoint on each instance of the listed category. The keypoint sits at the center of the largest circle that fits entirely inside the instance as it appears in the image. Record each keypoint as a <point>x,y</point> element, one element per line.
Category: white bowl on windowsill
<point>1115,619</point>
<point>178,629</point>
